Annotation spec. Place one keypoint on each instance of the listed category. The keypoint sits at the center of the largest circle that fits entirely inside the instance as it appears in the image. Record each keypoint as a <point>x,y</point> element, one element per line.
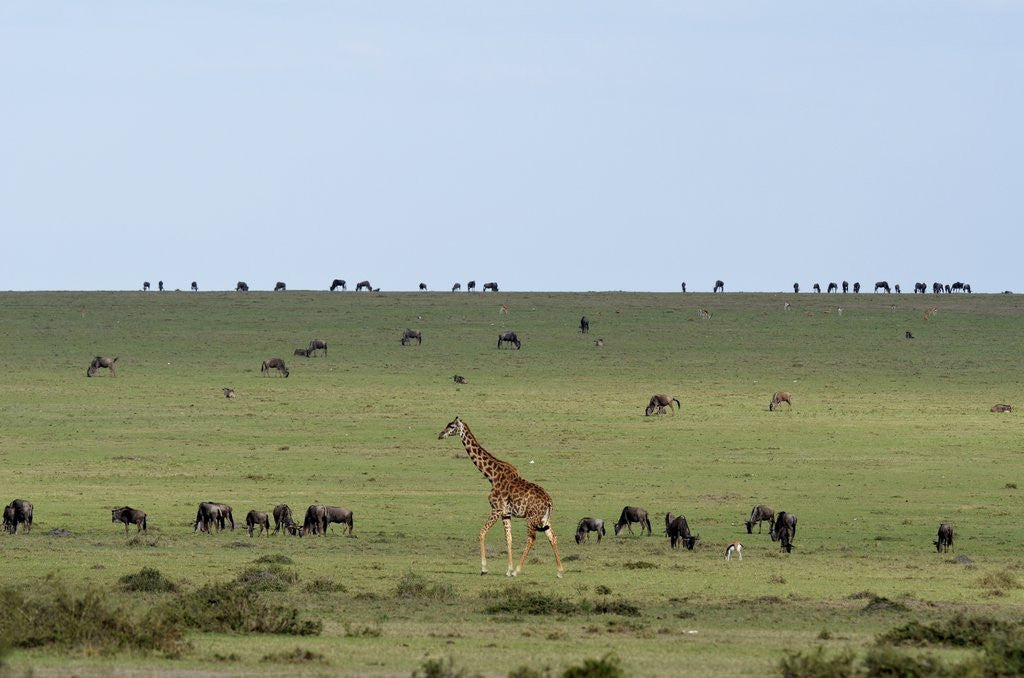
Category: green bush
<point>270,577</point>
<point>606,667</point>
<point>227,608</point>
<point>886,662</point>
<point>517,600</point>
<point>957,631</point>
<point>816,665</point>
<point>146,580</point>
<point>274,559</point>
<point>442,668</point>
<point>413,586</point>
<point>296,656</point>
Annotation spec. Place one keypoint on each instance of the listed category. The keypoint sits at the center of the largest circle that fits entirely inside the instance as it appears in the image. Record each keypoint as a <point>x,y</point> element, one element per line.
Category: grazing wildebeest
<point>758,514</point>
<point>1000,407</point>
<point>659,401</point>
<point>208,515</point>
<point>630,515</point>
<point>471,285</point>
<point>195,286</point>
<point>684,287</point>
<point>678,530</point>
<point>459,379</point>
<point>304,352</point>
<point>315,520</point>
<point>160,285</point>
<point>423,287</point>
<point>364,285</point>
<point>456,287</point>
<point>100,361</point>
<point>584,325</point>
<point>908,335</point>
<point>280,287</point>
<point>257,518</point>
<point>283,518</point>
<point>832,287</point>
<point>957,286</point>
<point>846,288</point>
<point>337,514</point>
<point>732,548</point>
<point>242,286</point>
<point>409,335</point>
<point>338,282</point>
<point>948,289</point>
<point>493,286</point>
<point>856,288</point>
<point>945,540</point>
<point>896,287</point>
<point>509,338</point>
<point>274,364</point>
<point>719,286</point>
<point>317,345</point>
<point>129,516</point>
<point>588,525</point>
<point>145,286</point>
<point>18,511</point>
<point>936,288</point>
<point>796,288</point>
<point>229,392</point>
<point>816,287</point>
<point>920,288</point>
<point>882,285</point>
<point>778,398</point>
<point>785,523</point>
<point>967,288</point>
<point>784,535</point>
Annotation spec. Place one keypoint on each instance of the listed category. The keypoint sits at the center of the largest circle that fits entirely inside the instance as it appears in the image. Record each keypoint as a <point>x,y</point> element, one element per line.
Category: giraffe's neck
<point>481,458</point>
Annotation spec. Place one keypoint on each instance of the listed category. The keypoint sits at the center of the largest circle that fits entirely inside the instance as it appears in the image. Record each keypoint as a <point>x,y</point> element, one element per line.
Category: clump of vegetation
<point>883,604</point>
<point>353,631</point>
<point>620,607</point>
<point>413,586</point>
<point>607,666</point>
<point>998,581</point>
<point>639,565</point>
<point>147,580</point>
<point>816,664</point>
<point>274,559</point>
<point>322,585</point>
<point>529,672</point>
<point>229,608</point>
<point>517,600</point>
<point>442,668</point>
<point>885,661</point>
<point>602,590</point>
<point>296,656</point>
<point>267,578</point>
<point>958,631</point>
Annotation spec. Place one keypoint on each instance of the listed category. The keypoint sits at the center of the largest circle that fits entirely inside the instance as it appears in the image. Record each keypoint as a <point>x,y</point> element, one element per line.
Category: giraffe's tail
<point>545,522</point>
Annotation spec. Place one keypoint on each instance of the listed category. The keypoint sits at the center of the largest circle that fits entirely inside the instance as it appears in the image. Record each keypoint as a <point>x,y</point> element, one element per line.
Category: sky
<point>567,146</point>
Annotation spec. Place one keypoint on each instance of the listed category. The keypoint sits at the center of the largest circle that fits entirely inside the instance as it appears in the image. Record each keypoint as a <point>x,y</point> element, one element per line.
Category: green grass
<point>887,437</point>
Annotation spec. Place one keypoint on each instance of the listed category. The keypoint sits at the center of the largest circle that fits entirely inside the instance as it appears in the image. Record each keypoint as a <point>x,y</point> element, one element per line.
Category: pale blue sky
<point>547,146</point>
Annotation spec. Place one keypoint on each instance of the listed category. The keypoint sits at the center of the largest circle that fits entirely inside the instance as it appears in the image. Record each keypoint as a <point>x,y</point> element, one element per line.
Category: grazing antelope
<point>846,287</point>
<point>242,286</point>
<point>145,286</point>
<point>160,285</point>
<point>459,379</point>
<point>364,285</point>
<point>832,287</point>
<point>684,288</point>
<point>945,540</point>
<point>304,352</point>
<point>817,288</point>
<point>786,306</point>
<point>882,285</point>
<point>503,310</point>
<point>584,325</point>
<point>229,392</point>
<point>703,314</point>
<point>588,525</point>
<point>778,398</point>
<point>599,342</point>
<point>510,338</point>
<point>678,530</point>
<point>259,519</point>
<point>659,401</point>
<point>409,335</point>
<point>493,286</point>
<point>1001,408</point>
<point>856,288</point>
<point>471,286</point>
<point>732,548</point>
<point>316,345</point>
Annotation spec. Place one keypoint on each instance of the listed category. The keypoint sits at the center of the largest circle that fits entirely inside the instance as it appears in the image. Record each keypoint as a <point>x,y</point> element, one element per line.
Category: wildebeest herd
<point>336,284</point>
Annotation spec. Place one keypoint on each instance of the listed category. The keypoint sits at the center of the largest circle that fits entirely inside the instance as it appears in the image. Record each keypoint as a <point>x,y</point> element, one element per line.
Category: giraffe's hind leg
<point>531,536</point>
<point>483,533</point>
<point>508,545</point>
<point>554,546</point>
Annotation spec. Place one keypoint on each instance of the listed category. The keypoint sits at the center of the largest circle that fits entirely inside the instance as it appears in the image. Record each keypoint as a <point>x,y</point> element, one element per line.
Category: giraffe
<point>511,497</point>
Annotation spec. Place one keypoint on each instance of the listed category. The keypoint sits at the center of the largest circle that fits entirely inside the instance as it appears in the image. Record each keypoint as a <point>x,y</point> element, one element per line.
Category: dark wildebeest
<point>856,288</point>
<point>129,516</point>
<point>423,287</point>
<point>242,286</point>
<point>816,287</point>
<point>945,540</point>
<point>280,287</point>
<point>207,515</point>
<point>459,379</point>
<point>936,288</point>
<point>315,520</point>
<point>784,536</point>
<point>456,287</point>
<point>882,285</point>
<point>304,352</point>
<point>283,518</point>
<point>796,288</point>
<point>226,515</point>
<point>957,286</point>
<point>896,287</point>
<point>195,286</point>
<point>1001,408</point>
<point>493,286</point>
<point>948,289</point>
<point>785,526</point>
<point>274,364</point>
<point>778,398</point>
<point>630,515</point>
<point>659,401</point>
<point>509,338</point>
<point>100,361</point>
<point>364,285</point>
<point>337,514</point>
<point>409,335</point>
<point>584,325</point>
<point>471,285</point>
<point>588,525</point>
<point>678,530</point>
<point>145,286</point>
<point>18,511</point>
<point>846,287</point>
<point>920,288</point>
<point>160,285</point>
<point>338,282</point>
<point>257,518</point>
<point>832,287</point>
<point>758,514</point>
<point>967,288</point>
<point>719,286</point>
<point>684,287</point>
<point>909,335</point>
<point>317,345</point>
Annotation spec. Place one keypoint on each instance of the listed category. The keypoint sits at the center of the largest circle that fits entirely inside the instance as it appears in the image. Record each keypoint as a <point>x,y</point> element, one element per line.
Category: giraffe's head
<point>454,428</point>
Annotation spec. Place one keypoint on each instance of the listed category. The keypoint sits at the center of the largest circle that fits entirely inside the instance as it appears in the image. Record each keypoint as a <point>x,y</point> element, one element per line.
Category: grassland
<point>886,438</point>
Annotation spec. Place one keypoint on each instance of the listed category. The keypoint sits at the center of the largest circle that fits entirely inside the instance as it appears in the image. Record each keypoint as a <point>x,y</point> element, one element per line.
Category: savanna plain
<point>887,437</point>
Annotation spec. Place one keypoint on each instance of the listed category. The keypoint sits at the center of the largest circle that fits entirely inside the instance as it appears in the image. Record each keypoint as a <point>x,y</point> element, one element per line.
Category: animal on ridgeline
<point>630,515</point>
<point>337,514</point>
<point>778,398</point>
<point>658,403</point>
<point>897,289</point>
<point>832,287</point>
<point>796,288</point>
<point>759,514</point>
<point>364,285</point>
<point>254,519</point>
<point>1001,407</point>
<point>684,288</point>
<point>719,286</point>
<point>409,335</point>
<point>846,287</point>
<point>510,338</point>
<point>100,361</point>
<point>228,392</point>
<point>195,286</point>
<point>456,287</point>
<point>967,288</point>
<point>920,288</point>
<point>678,531</point>
<point>242,286</point>
<point>338,282</point>
<point>936,288</point>
<point>304,352</point>
<point>19,511</point>
<point>423,287</point>
<point>129,516</point>
<point>317,345</point>
<point>145,286</point>
<point>856,288</point>
<point>732,548</point>
<point>948,289</point>
<point>280,287</point>
<point>492,286</point>
<point>817,288</point>
<point>471,286</point>
<point>459,379</point>
<point>786,306</point>
<point>315,521</point>
<point>957,287</point>
<point>588,525</point>
<point>283,518</point>
<point>160,285</point>
<point>945,538</point>
<point>511,496</point>
<point>584,325</point>
<point>882,285</point>
<point>274,364</point>
<point>208,516</point>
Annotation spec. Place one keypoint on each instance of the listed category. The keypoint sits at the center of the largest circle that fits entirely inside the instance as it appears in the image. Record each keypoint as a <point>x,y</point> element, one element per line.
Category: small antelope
<point>229,392</point>
<point>503,310</point>
<point>778,398</point>
<point>786,307</point>
<point>732,548</point>
<point>599,342</point>
<point>703,314</point>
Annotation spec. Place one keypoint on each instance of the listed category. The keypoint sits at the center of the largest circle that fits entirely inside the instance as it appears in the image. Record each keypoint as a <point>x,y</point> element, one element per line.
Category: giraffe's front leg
<point>483,533</point>
<point>508,545</point>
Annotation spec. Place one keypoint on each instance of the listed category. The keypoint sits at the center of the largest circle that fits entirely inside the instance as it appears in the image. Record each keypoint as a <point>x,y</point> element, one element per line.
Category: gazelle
<point>732,548</point>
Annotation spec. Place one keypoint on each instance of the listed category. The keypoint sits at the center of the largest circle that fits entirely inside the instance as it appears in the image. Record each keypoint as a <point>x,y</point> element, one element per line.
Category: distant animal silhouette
<point>493,286</point>
<point>659,401</point>
<point>509,338</point>
<point>423,287</point>
<point>719,286</point>
<point>471,285</point>
<point>817,288</point>
<point>832,287</point>
<point>195,286</point>
<point>856,288</point>
<point>459,379</point>
<point>908,335</point>
<point>778,398</point>
<point>274,364</point>
<point>160,285</point>
<point>456,287</point>
<point>338,282</point>
<point>584,325</point>
<point>242,286</point>
<point>364,285</point>
<point>630,515</point>
<point>1001,408</point>
<point>145,286</point>
<point>100,361</point>
<point>882,285</point>
<point>229,392</point>
<point>409,335</point>
<point>796,288</point>
<point>316,345</point>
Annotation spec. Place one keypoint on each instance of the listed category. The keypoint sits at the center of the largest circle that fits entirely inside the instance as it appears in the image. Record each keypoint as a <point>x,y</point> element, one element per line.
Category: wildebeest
<point>678,530</point>
<point>409,335</point>
<point>948,289</point>
<point>459,379</point>
<point>304,352</point>
<point>280,287</point>
<point>957,286</point>
<point>229,392</point>
<point>832,287</point>
<point>967,288</point>
<point>796,288</point>
<point>659,401</point>
<point>846,288</point>
<point>471,285</point>
<point>784,530</point>
<point>317,345</point>
<point>936,288</point>
<point>456,287</point>
<point>758,514</point>
<point>208,515</point>
<point>778,398</point>
<point>630,515</point>
<point>909,335</point>
<point>509,338</point>
<point>364,285</point>
<point>145,286</point>
<point>226,515</point>
<point>588,525</point>
<point>945,540</point>
<point>856,288</point>
<point>257,518</point>
<point>314,522</point>
<point>684,287</point>
<point>129,516</point>
<point>338,282</point>
<point>816,287</point>
<point>897,289</point>
<point>882,285</point>
<point>100,361</point>
<point>242,286</point>
<point>584,325</point>
<point>274,364</point>
<point>160,285</point>
<point>337,514</point>
<point>493,286</point>
<point>195,286</point>
<point>283,518</point>
<point>18,511</point>
<point>719,286</point>
<point>920,288</point>
<point>423,287</point>
<point>1000,407</point>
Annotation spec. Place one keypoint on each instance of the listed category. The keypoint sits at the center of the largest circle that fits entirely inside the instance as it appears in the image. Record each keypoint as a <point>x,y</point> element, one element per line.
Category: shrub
<point>227,608</point>
<point>605,667</point>
<point>883,604</point>
<point>267,578</point>
<point>639,565</point>
<point>413,586</point>
<point>146,580</point>
<point>274,559</point>
<point>529,672</point>
<point>321,585</point>
<point>958,631</point>
<point>296,656</point>
<point>516,600</point>
<point>816,665</point>
<point>886,662</point>
<point>441,668</point>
